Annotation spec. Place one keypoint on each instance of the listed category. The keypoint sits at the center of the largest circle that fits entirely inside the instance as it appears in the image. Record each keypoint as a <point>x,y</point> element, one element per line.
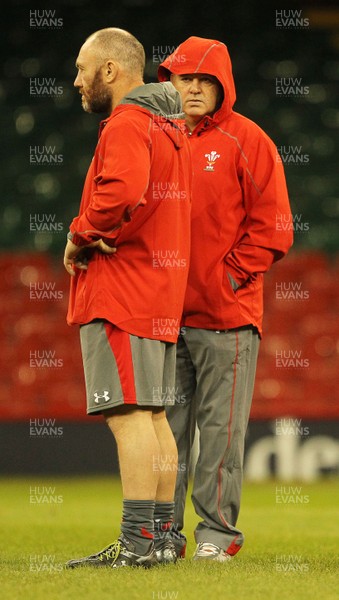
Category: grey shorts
<point>121,368</point>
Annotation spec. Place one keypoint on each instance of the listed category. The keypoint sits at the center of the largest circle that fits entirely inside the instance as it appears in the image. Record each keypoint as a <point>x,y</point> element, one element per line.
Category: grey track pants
<point>214,388</point>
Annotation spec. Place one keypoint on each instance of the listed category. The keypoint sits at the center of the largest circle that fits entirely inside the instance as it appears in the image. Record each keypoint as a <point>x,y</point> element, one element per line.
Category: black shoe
<point>165,550</point>
<point>165,546</point>
<point>118,554</point>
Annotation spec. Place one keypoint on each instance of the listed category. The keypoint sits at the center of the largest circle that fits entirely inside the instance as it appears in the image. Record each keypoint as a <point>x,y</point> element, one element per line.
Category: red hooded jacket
<point>239,202</point>
<point>136,197</point>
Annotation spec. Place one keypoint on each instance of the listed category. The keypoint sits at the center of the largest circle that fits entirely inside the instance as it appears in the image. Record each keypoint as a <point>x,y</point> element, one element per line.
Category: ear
<point>110,71</point>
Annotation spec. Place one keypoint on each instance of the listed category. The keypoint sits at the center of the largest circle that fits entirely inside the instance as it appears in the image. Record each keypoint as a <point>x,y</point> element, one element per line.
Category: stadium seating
<point>40,357</point>
<point>301,324</point>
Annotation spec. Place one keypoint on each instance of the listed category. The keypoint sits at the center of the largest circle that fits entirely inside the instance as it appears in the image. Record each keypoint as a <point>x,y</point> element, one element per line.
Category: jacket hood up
<point>201,55</point>
<point>159,99</point>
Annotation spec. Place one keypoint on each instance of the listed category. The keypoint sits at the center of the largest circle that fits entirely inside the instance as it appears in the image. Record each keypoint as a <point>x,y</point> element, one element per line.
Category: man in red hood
<point>128,300</point>
<point>239,196</point>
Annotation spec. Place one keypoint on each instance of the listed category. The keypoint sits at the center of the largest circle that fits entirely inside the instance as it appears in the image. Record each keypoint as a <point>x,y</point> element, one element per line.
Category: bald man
<point>128,307</point>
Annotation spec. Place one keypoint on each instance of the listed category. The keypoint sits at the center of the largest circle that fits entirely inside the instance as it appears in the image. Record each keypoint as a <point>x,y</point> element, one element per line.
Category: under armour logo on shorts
<point>105,396</point>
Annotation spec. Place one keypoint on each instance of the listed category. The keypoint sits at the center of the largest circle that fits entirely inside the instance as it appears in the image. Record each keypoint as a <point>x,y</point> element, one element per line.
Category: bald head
<point>110,64</point>
<point>118,45</point>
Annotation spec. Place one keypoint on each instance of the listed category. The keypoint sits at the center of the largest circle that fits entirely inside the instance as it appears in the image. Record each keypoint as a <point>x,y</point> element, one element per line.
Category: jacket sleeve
<point>121,182</point>
<point>267,232</point>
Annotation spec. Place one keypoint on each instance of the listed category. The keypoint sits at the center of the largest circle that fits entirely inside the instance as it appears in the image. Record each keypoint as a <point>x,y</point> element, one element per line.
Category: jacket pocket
<point>229,285</point>
<point>234,284</point>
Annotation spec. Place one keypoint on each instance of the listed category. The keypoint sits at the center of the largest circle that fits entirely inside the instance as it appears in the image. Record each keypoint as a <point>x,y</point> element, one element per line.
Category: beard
<point>97,99</point>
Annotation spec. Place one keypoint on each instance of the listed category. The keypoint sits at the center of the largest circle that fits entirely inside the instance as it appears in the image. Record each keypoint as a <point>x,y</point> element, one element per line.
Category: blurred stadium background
<point>287,81</point>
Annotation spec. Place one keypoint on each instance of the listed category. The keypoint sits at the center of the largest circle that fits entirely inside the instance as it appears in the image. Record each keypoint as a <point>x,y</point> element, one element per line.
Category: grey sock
<point>138,524</point>
<point>163,519</point>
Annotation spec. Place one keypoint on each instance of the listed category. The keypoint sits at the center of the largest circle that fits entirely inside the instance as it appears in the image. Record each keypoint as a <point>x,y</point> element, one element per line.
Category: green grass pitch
<point>291,549</point>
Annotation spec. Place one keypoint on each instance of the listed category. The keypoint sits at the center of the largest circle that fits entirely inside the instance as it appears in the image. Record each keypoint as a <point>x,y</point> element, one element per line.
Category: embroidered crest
<point>211,159</point>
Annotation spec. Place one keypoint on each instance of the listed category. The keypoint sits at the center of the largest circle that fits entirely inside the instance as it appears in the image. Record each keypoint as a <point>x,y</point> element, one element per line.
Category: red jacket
<point>239,198</point>
<point>136,197</point>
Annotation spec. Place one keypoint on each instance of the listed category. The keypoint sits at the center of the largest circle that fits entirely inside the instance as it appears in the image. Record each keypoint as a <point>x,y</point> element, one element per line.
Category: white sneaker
<point>207,551</point>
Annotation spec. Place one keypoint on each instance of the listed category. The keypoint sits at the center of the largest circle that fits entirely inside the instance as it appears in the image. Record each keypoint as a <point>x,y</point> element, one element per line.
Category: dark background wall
<point>262,50</point>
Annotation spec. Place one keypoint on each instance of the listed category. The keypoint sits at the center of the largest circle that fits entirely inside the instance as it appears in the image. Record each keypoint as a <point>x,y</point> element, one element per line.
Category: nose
<point>77,80</point>
<point>195,85</point>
